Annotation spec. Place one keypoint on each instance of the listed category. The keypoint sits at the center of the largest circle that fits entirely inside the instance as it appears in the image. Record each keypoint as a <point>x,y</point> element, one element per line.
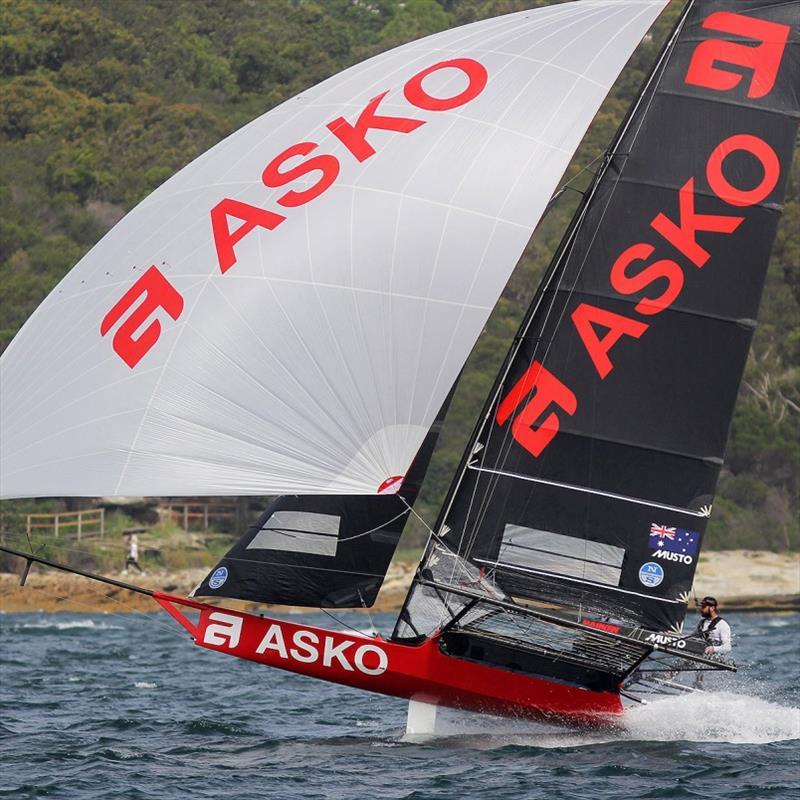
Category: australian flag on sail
<point>674,540</point>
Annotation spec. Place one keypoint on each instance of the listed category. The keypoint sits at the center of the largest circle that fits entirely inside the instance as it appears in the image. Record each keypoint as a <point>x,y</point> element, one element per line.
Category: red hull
<point>421,673</point>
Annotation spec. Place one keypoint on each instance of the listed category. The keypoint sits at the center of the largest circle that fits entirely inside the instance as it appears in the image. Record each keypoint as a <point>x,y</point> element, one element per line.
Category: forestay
<point>288,313</point>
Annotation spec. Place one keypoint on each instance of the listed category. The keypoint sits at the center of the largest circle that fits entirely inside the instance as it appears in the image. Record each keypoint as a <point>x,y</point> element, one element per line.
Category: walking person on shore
<point>132,559</point>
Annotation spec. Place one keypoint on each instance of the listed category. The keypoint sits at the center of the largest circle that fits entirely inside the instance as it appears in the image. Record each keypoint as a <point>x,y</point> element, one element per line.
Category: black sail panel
<point>320,550</point>
<point>590,481</point>
<point>329,551</point>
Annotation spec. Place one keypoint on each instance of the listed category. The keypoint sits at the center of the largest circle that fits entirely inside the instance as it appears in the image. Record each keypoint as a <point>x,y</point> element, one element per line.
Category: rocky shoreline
<point>742,580</point>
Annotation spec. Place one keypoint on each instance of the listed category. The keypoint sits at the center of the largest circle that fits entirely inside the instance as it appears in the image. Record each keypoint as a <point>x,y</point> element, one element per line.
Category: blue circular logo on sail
<point>651,574</point>
<point>220,575</point>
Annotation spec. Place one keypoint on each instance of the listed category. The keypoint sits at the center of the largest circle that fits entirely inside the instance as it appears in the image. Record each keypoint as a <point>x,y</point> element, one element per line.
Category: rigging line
<point>369,614</point>
<point>342,622</point>
<point>482,425</point>
<point>122,614</point>
<point>290,531</point>
<point>472,543</point>
<point>510,357</point>
<point>655,75</point>
<point>479,429</point>
<point>75,571</point>
<point>505,444</point>
<point>414,513</point>
<point>549,279</point>
<point>376,528</point>
<point>72,550</point>
<point>565,252</point>
<point>490,488</point>
<point>432,537</point>
<point>31,548</point>
<point>483,505</point>
<point>587,167</point>
<point>92,576</point>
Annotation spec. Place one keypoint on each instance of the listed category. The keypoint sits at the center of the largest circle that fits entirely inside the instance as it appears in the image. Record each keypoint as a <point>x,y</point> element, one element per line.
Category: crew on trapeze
<point>713,629</point>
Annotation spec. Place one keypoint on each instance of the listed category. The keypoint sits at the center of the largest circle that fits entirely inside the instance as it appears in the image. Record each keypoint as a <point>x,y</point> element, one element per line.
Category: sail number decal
<point>540,396</point>
<point>232,220</point>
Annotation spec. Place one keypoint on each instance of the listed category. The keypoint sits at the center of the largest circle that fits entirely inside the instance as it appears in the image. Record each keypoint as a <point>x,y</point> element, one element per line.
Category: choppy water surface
<point>124,706</point>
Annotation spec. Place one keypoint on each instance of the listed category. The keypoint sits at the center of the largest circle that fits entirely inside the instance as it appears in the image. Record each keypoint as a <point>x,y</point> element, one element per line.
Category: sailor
<point>713,629</point>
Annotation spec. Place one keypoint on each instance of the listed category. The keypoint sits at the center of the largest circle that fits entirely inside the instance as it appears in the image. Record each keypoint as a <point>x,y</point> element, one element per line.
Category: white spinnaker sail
<point>308,349</point>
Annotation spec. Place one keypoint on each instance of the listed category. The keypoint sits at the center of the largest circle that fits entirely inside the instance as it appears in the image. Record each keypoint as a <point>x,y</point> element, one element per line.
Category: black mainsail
<point>588,482</point>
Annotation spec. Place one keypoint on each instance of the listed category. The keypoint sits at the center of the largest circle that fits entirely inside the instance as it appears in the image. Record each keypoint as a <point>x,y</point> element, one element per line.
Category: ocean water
<point>124,706</point>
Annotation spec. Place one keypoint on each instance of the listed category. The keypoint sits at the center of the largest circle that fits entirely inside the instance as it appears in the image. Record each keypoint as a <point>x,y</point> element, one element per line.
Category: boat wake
<point>67,625</point>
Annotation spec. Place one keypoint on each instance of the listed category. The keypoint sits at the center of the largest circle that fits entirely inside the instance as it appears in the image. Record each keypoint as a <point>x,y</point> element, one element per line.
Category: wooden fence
<point>198,516</point>
<point>90,522</point>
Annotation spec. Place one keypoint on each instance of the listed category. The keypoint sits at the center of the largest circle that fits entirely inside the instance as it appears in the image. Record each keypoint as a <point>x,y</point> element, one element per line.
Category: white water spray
<point>718,716</point>
<point>712,717</point>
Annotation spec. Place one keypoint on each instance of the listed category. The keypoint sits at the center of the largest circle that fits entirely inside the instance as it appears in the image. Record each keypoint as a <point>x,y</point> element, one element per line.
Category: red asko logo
<point>157,290</point>
<point>539,395</point>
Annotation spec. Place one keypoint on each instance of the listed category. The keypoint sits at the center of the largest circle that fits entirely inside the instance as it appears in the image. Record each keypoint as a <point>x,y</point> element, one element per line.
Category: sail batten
<point>590,490</point>
<point>562,577</point>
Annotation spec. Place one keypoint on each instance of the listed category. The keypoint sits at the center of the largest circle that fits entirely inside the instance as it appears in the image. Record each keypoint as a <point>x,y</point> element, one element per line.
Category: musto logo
<point>305,646</point>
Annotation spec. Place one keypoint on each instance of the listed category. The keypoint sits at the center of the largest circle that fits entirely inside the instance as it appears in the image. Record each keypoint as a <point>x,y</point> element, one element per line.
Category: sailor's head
<point>708,606</point>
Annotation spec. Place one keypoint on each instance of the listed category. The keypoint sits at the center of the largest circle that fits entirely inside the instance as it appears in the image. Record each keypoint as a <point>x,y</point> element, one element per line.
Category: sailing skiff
<point>245,330</point>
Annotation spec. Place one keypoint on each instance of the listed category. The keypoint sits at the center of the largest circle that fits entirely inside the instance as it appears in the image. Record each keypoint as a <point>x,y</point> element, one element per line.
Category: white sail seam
<point>345,402</point>
<point>154,392</point>
<point>357,73</point>
<point>455,191</point>
<point>587,490</point>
